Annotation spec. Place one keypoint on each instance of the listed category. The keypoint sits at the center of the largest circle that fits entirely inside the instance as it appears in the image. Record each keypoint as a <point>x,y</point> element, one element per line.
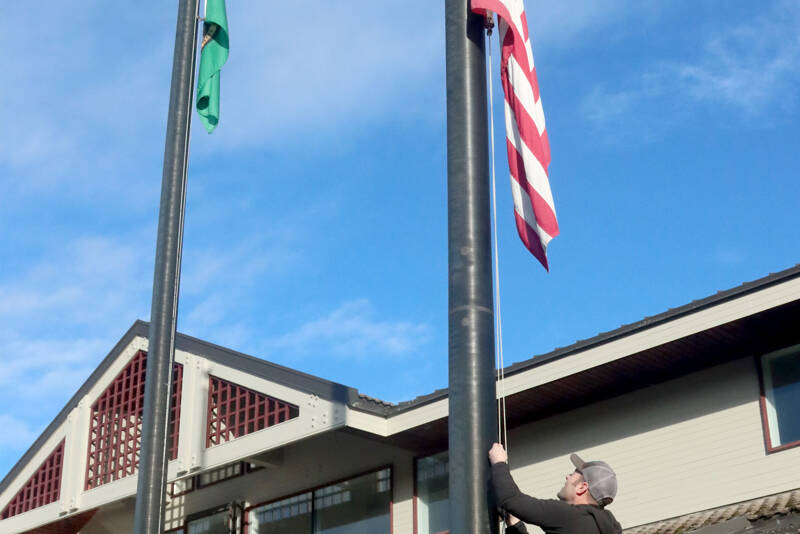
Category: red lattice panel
<point>42,488</point>
<point>116,423</point>
<point>235,411</point>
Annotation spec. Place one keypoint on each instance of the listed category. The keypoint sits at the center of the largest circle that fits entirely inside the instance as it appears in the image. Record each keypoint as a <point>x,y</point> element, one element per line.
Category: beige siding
<point>686,445</point>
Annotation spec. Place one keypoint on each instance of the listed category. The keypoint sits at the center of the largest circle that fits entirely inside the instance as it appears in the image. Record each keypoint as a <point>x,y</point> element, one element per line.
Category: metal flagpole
<point>472,422</point>
<point>150,493</point>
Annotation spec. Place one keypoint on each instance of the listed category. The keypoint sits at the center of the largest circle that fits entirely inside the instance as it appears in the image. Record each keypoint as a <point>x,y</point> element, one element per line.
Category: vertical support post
<point>150,492</point>
<point>73,473</point>
<point>192,432</point>
<point>472,421</point>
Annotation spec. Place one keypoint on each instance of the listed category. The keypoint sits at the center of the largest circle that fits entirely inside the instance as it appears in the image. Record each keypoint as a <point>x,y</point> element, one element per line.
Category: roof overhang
<point>747,321</point>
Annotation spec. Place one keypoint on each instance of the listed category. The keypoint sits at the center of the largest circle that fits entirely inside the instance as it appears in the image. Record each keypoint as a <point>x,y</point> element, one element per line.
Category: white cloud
<point>602,105</point>
<point>30,358</point>
<point>16,434</point>
<point>299,77</point>
<point>237,264</point>
<point>316,69</point>
<point>84,281</point>
<point>83,102</point>
<point>565,22</point>
<point>63,311</point>
<point>218,282</point>
<point>209,311</point>
<point>352,332</point>
<point>727,256</point>
<point>750,68</point>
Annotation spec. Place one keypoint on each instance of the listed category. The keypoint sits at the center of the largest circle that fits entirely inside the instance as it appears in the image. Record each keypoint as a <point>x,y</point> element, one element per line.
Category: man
<point>580,508</point>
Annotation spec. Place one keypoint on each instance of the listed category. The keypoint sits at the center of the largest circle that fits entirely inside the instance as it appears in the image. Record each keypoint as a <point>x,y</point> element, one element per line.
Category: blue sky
<point>316,219</point>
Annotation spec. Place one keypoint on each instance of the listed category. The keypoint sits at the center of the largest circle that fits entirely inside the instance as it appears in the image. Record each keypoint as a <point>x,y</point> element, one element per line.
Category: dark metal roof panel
<point>747,337</point>
<point>625,330</point>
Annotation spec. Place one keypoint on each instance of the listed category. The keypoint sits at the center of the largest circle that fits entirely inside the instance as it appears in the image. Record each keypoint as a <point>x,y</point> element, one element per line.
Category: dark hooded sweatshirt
<point>551,515</point>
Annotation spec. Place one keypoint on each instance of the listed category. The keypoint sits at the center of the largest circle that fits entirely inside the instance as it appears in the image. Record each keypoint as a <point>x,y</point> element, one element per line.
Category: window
<point>433,494</point>
<point>360,505</point>
<point>356,506</point>
<point>209,478</point>
<point>286,516</point>
<point>180,487</point>
<point>219,474</point>
<point>780,372</point>
<point>214,523</point>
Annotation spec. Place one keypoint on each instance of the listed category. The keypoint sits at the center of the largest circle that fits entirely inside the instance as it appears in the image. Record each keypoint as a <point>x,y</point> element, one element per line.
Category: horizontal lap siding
<point>687,445</point>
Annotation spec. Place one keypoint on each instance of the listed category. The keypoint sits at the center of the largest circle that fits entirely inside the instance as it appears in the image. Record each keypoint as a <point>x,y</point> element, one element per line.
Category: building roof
<point>277,373</point>
<point>754,510</point>
<point>705,348</point>
<point>606,337</point>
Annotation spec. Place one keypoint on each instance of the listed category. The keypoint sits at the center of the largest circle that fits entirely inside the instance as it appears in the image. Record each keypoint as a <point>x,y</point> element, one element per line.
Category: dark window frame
<point>171,487</point>
<point>238,516</point>
<point>312,490</point>
<point>415,521</point>
<point>196,485</point>
<point>762,402</point>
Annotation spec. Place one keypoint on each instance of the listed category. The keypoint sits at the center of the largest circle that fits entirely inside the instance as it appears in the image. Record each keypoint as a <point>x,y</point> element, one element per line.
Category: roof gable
<point>112,395</point>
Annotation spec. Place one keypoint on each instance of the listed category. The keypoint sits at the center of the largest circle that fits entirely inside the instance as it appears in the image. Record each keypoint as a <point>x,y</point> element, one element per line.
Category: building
<point>696,409</point>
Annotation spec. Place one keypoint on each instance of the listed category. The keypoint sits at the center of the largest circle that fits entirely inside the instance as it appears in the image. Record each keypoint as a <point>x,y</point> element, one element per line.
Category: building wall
<point>112,518</point>
<point>305,465</point>
<point>683,446</point>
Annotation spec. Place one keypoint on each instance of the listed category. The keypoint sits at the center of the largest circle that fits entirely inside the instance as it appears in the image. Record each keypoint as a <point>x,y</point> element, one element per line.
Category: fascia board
<point>660,334</point>
<point>299,428</point>
<point>681,327</point>
<point>367,422</point>
<point>31,519</point>
<point>384,426</point>
<point>418,416</point>
<point>118,489</point>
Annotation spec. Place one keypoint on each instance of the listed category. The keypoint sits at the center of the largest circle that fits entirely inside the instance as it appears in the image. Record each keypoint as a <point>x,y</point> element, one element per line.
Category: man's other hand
<point>497,454</point>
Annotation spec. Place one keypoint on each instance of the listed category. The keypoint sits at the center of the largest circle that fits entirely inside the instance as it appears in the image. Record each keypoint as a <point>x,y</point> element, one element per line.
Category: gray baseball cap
<point>601,478</point>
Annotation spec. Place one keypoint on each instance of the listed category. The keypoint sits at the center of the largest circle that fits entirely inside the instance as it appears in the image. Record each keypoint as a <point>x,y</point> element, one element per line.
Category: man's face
<point>572,485</point>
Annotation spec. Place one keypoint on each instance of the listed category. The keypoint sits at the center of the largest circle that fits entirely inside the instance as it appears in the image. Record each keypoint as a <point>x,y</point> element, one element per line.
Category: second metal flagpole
<point>150,493</point>
<point>472,422</point>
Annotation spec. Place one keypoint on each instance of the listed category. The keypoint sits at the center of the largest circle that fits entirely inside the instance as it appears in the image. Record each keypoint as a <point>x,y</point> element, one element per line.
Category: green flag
<point>213,55</point>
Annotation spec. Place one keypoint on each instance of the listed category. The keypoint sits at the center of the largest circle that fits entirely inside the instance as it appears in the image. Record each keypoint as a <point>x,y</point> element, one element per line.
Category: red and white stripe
<point>526,136</point>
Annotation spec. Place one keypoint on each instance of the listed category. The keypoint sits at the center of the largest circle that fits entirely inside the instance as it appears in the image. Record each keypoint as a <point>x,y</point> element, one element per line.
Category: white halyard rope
<point>502,430</point>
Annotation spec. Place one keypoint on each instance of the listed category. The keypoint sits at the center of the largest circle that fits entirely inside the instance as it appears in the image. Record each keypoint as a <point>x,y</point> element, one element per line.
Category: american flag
<point>526,136</point>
